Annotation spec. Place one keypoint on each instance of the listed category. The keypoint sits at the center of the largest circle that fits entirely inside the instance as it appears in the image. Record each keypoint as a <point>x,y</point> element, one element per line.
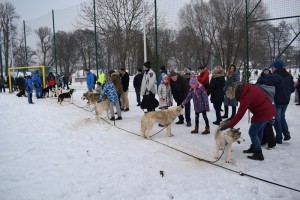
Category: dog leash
<point>204,160</point>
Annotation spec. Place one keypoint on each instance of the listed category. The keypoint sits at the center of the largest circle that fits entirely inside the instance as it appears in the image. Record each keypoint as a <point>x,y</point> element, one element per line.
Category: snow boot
<point>250,150</point>
<point>206,131</point>
<point>196,130</point>
<point>257,156</point>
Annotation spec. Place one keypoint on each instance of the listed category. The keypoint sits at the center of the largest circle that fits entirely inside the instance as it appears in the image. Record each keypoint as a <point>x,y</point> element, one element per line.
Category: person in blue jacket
<point>110,90</point>
<point>37,82</point>
<point>89,80</point>
<point>29,87</point>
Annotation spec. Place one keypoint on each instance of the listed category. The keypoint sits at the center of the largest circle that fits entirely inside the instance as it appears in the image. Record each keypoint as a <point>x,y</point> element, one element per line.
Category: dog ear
<point>182,106</point>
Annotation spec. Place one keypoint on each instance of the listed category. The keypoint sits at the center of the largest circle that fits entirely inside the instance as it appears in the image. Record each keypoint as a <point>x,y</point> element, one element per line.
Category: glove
<point>162,99</point>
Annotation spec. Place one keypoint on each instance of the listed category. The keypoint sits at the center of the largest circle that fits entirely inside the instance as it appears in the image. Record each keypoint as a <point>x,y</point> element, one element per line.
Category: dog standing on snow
<point>225,139</point>
<point>164,117</point>
<point>65,95</point>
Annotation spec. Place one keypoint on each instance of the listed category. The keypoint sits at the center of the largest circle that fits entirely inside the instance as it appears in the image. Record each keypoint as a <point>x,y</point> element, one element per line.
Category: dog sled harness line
<point>201,159</point>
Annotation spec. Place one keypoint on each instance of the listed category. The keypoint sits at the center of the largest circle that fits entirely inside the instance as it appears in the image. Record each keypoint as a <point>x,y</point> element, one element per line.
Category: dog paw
<point>171,135</point>
<point>228,161</point>
<point>216,157</point>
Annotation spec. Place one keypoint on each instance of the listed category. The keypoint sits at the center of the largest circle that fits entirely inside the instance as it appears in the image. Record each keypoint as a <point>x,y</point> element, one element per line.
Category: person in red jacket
<point>203,78</point>
<point>255,100</point>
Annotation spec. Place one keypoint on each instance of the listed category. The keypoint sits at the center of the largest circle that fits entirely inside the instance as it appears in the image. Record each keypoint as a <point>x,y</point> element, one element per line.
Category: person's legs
<point>138,95</point>
<point>117,105</point>
<point>277,125</point>
<point>126,100</point>
<point>217,107</point>
<point>187,110</point>
<point>226,112</point>
<point>256,133</point>
<point>285,128</point>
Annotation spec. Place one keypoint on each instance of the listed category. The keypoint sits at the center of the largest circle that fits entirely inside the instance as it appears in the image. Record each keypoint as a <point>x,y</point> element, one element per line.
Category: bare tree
<point>7,17</point>
<point>67,52</point>
<point>85,40</point>
<point>116,21</point>
<point>45,45</point>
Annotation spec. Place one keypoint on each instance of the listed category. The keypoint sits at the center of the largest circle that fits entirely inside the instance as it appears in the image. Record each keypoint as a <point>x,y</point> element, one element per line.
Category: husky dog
<point>65,95</point>
<point>92,97</point>
<point>164,117</point>
<point>224,139</point>
<point>100,107</point>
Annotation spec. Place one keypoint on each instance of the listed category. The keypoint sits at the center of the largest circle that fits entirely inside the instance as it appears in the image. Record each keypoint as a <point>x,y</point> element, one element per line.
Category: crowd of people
<point>223,87</point>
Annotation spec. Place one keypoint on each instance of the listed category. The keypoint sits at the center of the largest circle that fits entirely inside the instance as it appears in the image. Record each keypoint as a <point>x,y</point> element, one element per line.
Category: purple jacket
<point>200,99</point>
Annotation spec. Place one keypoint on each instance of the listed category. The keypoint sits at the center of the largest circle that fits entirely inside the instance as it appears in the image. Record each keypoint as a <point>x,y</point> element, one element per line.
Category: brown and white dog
<point>164,117</point>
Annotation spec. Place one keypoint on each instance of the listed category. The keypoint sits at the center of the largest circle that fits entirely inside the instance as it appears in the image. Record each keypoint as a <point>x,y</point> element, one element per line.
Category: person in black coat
<point>137,82</point>
<point>298,89</point>
<point>216,93</point>
<point>180,89</point>
<point>266,78</point>
<point>284,87</point>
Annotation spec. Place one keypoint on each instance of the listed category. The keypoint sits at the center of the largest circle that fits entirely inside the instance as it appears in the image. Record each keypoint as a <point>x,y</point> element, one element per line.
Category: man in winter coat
<point>125,85</point>
<point>284,87</point>
<point>180,89</point>
<point>89,80</point>
<point>255,100</point>
<point>37,82</point>
<point>148,88</point>
<point>137,82</point>
<point>29,86</point>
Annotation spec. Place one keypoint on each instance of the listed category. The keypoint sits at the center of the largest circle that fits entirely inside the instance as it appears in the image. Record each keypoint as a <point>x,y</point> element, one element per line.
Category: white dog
<point>224,139</point>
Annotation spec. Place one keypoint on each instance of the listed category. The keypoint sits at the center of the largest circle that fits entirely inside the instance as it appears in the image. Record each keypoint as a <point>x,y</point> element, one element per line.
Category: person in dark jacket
<point>284,87</point>
<point>216,93</point>
<point>163,71</point>
<point>180,89</point>
<point>233,75</point>
<point>66,81</point>
<point>298,89</point>
<point>255,100</point>
<point>125,85</point>
<point>137,82</point>
<point>266,78</point>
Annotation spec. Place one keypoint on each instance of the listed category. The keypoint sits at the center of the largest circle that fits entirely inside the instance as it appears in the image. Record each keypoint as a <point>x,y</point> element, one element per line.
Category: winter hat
<point>218,70</point>
<point>165,78</point>
<point>266,68</point>
<point>194,81</point>
<point>172,73</point>
<point>147,64</point>
<point>278,64</point>
<point>162,67</point>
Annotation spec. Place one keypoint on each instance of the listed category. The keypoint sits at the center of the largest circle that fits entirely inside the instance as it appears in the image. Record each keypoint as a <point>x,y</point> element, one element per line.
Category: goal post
<point>27,69</point>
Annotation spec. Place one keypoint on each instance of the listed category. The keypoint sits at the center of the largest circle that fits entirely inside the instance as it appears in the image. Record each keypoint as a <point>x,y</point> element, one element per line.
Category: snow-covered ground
<point>48,152</point>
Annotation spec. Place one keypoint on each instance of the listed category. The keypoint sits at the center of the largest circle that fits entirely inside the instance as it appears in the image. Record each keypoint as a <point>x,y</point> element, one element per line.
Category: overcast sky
<point>32,9</point>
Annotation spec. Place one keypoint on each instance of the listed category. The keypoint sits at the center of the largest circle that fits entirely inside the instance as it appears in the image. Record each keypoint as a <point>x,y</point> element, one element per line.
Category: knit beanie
<point>172,73</point>
<point>162,67</point>
<point>278,64</point>
<point>194,81</point>
<point>266,68</point>
<point>147,64</point>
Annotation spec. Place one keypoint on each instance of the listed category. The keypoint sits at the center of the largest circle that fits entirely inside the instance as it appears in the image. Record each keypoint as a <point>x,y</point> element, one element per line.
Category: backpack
<point>269,90</point>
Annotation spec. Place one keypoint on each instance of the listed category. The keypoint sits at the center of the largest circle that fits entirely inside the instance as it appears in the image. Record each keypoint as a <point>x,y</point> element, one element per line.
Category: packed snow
<point>50,151</point>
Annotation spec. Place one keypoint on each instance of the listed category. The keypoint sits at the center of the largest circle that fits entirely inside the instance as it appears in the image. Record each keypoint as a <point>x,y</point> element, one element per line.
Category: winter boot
<point>206,131</point>
<point>250,150</point>
<point>196,130</point>
<point>226,113</point>
<point>257,156</point>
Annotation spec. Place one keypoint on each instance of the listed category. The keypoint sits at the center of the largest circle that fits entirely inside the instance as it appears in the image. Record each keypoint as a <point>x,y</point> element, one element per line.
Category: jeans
<point>280,125</point>
<point>256,131</point>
